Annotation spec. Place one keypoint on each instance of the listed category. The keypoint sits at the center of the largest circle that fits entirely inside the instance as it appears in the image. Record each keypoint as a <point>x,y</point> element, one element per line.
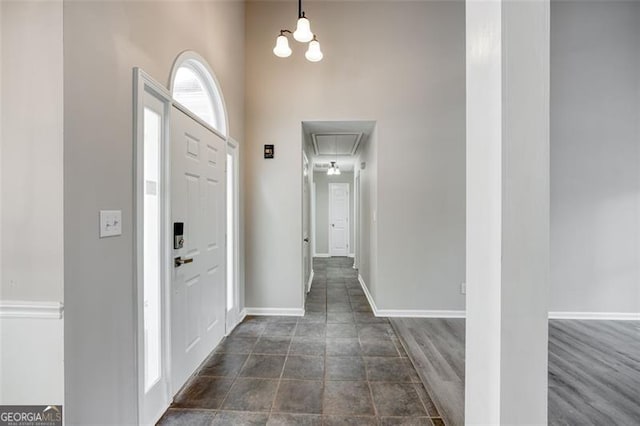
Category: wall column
<point>507,211</point>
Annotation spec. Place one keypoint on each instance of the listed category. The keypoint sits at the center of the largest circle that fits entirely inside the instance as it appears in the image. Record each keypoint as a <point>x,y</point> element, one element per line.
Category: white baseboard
<point>352,255</point>
<point>31,309</point>
<point>420,313</point>
<point>243,314</point>
<point>611,316</point>
<point>415,313</point>
<point>291,312</point>
<point>368,295</point>
<point>310,281</point>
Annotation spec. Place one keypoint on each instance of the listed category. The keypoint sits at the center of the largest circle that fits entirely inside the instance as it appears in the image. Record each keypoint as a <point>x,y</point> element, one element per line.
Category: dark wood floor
<point>594,368</point>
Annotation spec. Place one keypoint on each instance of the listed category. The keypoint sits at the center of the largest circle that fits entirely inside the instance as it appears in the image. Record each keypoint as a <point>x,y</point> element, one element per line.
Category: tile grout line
<point>284,364</point>
<point>426,388</point>
<point>342,284</point>
<point>373,402</point>
<point>237,376</point>
<point>324,360</point>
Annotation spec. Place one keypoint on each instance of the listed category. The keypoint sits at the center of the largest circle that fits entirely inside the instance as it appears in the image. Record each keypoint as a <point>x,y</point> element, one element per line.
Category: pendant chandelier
<point>302,34</point>
<point>334,170</point>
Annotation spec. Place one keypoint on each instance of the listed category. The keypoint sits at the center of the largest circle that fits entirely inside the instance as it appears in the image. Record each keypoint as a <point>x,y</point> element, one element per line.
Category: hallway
<point>337,365</point>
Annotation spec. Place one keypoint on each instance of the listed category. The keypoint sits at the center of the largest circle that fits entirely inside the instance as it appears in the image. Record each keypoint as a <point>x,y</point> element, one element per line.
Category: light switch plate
<point>110,223</point>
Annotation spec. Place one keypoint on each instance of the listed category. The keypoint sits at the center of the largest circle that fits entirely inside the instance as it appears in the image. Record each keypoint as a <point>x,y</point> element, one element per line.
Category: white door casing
<point>356,224</point>
<point>338,219</point>
<point>233,235</point>
<point>306,223</point>
<point>198,200</point>
<point>153,392</point>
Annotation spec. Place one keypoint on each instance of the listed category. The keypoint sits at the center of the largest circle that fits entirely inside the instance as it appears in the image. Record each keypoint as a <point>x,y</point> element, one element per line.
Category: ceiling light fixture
<point>303,34</point>
<point>334,170</point>
<point>282,48</point>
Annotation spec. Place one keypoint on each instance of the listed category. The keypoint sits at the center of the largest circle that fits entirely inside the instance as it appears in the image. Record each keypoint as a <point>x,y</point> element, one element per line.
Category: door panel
<point>198,288</point>
<point>338,219</point>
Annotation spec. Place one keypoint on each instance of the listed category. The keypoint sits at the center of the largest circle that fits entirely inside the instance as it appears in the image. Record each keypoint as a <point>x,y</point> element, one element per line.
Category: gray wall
<point>31,207</point>
<point>410,78</point>
<point>322,181</point>
<point>595,156</point>
<point>368,244</point>
<point>31,252</point>
<point>103,42</point>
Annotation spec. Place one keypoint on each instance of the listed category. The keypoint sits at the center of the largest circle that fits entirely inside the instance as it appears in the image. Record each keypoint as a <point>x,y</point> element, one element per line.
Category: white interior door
<point>198,197</point>
<point>338,219</point>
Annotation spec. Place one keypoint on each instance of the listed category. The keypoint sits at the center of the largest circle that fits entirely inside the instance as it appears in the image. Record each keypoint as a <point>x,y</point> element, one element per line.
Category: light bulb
<point>282,48</point>
<point>336,171</point>
<point>314,54</point>
<point>330,171</point>
<point>303,30</point>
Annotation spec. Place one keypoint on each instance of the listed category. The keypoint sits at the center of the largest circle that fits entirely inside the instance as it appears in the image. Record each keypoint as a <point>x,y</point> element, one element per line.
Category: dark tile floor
<point>337,365</point>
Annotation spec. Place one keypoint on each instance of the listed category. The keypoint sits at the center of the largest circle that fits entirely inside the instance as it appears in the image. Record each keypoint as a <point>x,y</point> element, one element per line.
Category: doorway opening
<point>333,155</point>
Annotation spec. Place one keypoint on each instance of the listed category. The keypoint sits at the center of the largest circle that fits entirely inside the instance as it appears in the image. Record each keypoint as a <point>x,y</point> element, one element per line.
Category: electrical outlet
<point>463,288</point>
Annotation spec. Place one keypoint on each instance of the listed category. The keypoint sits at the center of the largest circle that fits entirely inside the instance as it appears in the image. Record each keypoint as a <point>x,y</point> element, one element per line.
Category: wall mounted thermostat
<point>268,151</point>
<point>178,235</point>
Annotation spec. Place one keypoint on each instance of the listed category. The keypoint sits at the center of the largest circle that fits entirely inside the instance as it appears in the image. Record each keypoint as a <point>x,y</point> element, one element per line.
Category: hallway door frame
<point>356,221</point>
<point>306,234</point>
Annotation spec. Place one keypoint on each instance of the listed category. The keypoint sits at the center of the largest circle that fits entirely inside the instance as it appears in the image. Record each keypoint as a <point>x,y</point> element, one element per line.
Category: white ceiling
<point>335,144</point>
<point>324,139</point>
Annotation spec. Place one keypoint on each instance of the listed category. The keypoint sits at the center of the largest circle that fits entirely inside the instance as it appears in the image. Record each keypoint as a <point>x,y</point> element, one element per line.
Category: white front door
<point>198,158</point>
<point>338,219</point>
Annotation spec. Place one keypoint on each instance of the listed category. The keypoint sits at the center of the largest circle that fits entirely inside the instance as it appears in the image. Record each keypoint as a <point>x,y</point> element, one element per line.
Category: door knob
<point>179,261</point>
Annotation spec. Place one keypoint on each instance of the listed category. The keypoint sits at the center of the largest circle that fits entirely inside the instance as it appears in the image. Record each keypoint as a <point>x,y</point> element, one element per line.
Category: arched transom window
<point>194,86</point>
